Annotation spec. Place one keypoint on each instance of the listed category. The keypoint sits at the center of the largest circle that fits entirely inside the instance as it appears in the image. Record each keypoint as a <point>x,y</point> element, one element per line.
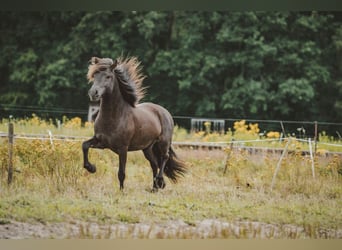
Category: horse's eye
<point>108,77</point>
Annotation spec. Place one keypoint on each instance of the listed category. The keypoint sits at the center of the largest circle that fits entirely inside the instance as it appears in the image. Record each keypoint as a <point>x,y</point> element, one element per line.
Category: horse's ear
<point>94,60</point>
<point>115,63</point>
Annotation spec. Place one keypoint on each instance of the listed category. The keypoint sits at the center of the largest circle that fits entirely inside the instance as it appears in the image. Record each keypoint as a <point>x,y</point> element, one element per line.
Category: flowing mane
<point>130,78</point>
<point>127,72</point>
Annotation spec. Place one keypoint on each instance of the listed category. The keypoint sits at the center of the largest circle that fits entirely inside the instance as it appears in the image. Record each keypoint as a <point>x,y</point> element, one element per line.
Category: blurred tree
<point>336,90</point>
<point>269,65</point>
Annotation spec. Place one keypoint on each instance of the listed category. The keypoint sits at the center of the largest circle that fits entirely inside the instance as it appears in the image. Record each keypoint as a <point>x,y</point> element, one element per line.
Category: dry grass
<point>50,185</point>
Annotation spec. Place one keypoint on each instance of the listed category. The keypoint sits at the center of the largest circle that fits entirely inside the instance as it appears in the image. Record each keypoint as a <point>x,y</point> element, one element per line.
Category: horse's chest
<point>110,136</point>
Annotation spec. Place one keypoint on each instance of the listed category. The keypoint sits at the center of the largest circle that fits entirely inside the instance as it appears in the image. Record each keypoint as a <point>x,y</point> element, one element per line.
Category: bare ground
<point>173,229</point>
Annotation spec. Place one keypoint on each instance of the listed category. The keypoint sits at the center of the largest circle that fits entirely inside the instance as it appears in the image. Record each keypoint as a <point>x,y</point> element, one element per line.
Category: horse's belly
<point>142,141</point>
<point>136,147</point>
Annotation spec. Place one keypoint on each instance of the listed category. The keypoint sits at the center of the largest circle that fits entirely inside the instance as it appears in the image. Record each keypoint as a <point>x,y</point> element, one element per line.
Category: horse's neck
<point>112,106</point>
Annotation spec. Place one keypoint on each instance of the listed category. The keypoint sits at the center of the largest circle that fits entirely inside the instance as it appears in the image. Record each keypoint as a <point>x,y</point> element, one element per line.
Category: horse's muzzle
<point>94,94</point>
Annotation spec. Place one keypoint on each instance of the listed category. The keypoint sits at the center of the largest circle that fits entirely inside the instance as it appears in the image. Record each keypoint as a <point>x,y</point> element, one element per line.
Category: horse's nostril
<point>93,94</point>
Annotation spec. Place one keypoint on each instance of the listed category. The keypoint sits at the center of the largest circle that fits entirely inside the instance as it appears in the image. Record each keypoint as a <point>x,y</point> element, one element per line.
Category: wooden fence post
<point>279,163</point>
<point>228,156</point>
<point>282,128</point>
<point>10,152</point>
<point>316,136</point>
<point>312,159</point>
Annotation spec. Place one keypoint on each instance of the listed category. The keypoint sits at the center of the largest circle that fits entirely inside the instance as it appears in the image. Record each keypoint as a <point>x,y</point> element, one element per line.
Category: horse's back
<point>161,113</point>
<point>155,108</point>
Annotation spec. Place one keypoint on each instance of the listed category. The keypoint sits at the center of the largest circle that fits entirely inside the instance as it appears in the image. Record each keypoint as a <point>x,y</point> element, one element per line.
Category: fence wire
<point>221,144</point>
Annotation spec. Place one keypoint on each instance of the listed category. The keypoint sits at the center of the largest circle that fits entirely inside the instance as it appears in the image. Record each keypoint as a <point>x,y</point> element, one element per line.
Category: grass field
<point>51,186</point>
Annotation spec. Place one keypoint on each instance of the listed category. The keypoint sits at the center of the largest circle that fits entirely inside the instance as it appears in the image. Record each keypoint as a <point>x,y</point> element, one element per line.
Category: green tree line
<point>264,65</point>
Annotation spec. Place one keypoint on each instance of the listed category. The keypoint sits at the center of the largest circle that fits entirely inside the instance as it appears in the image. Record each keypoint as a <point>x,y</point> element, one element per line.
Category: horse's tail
<point>174,167</point>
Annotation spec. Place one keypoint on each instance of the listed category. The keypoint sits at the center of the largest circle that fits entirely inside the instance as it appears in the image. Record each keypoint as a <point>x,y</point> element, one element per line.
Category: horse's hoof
<point>159,183</point>
<point>91,168</point>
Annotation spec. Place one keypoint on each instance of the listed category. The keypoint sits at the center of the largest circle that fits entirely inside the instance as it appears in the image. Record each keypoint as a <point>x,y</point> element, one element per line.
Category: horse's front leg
<point>91,143</point>
<point>122,167</point>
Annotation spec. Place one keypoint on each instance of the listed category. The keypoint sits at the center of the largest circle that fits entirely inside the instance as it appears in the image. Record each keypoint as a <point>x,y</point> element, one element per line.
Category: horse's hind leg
<point>149,155</point>
<point>162,154</point>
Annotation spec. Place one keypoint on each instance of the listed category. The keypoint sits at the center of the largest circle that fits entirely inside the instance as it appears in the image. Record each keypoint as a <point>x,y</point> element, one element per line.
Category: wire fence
<point>233,144</point>
<point>208,145</point>
<point>299,129</point>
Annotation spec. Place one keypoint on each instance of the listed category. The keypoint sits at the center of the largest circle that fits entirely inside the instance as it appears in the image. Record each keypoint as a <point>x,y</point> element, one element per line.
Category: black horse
<point>123,124</point>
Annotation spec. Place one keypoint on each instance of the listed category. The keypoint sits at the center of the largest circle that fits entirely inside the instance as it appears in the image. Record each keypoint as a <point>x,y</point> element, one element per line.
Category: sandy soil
<point>174,229</point>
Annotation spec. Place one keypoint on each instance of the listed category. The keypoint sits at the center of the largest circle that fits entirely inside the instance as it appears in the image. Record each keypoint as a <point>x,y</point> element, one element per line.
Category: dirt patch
<point>172,229</point>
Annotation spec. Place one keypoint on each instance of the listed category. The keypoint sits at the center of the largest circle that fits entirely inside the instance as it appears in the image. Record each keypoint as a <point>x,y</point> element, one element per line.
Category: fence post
<point>10,152</point>
<point>282,128</point>
<point>228,156</point>
<point>279,163</point>
<point>312,159</point>
<point>316,136</point>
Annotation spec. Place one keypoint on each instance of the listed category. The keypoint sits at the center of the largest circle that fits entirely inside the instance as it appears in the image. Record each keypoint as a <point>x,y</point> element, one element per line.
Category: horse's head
<point>101,73</point>
<point>122,72</point>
